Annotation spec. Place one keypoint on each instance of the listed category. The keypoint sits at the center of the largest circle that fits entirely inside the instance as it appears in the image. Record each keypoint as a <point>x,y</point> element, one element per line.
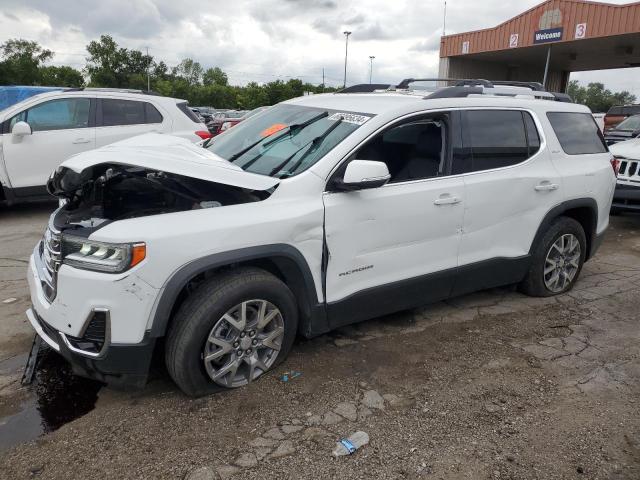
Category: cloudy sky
<point>262,40</point>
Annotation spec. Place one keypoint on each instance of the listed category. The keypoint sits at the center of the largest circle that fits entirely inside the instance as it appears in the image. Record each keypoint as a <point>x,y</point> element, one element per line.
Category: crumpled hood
<point>628,149</point>
<point>167,153</point>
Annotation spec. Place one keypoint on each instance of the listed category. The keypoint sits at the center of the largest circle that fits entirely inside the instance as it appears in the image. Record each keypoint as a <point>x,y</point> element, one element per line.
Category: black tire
<point>533,284</point>
<point>204,307</point>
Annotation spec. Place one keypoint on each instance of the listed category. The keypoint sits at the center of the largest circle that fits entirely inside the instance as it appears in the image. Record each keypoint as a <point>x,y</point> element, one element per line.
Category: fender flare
<point>161,313</point>
<point>558,210</point>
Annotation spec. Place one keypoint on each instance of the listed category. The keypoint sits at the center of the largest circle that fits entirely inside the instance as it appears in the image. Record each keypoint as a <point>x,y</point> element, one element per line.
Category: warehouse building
<point>546,43</point>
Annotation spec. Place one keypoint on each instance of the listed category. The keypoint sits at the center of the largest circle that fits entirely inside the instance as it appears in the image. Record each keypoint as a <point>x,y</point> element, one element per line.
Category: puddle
<point>55,397</point>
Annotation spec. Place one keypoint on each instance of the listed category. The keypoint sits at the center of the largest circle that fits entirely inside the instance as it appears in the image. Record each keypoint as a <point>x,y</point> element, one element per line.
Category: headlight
<point>101,256</point>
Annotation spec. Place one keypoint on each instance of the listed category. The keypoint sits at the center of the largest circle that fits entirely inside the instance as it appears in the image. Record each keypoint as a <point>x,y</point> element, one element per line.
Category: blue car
<point>14,94</point>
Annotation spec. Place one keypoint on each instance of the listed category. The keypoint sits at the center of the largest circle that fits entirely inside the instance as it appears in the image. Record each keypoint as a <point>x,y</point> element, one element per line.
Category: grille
<point>94,336</point>
<point>629,169</point>
<point>96,329</point>
<point>50,254</point>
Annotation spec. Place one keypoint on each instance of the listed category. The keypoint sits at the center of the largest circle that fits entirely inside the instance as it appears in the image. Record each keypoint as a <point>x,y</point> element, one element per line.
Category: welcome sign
<point>547,35</point>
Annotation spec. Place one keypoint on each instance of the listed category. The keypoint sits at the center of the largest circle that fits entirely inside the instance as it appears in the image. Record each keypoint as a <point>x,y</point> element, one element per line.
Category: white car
<point>320,212</point>
<point>39,133</point>
<point>626,197</point>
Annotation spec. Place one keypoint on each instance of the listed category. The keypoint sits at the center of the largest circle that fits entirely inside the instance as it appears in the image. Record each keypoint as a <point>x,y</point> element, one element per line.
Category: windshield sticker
<point>275,128</point>
<point>350,118</point>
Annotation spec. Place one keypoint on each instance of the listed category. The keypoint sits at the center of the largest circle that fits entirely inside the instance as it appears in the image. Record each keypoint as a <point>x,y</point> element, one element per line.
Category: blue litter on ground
<point>286,376</point>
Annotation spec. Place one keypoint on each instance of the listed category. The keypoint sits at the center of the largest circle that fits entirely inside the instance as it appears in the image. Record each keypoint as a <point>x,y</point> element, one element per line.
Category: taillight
<point>615,164</point>
<point>204,134</point>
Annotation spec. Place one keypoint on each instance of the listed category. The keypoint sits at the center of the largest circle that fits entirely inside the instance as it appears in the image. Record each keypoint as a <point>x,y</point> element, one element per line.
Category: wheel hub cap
<point>244,343</point>
<point>562,263</point>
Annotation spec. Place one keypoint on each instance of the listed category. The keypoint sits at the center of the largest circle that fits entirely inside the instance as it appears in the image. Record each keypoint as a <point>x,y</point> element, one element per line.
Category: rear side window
<point>122,112</point>
<point>152,115</point>
<point>495,139</point>
<point>184,108</point>
<point>578,133</point>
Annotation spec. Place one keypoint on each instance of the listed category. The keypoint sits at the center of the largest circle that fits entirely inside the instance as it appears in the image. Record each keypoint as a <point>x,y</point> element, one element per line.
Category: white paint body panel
<point>391,233</point>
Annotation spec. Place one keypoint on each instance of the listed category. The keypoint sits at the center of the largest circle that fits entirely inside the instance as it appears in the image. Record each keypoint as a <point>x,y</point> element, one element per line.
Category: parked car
<point>618,113</point>
<point>10,95</point>
<point>39,133</point>
<point>320,212</point>
<point>627,193</point>
<point>625,130</point>
<point>224,120</point>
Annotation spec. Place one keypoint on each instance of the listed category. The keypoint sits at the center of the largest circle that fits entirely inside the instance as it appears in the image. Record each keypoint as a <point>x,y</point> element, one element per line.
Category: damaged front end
<point>110,192</point>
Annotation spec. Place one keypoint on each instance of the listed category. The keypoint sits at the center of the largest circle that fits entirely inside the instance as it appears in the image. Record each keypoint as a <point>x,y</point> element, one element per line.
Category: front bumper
<point>96,321</point>
<point>626,197</point>
<point>118,365</point>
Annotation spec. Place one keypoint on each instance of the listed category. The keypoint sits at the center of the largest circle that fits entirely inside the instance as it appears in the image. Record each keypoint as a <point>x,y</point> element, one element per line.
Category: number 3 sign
<point>581,30</point>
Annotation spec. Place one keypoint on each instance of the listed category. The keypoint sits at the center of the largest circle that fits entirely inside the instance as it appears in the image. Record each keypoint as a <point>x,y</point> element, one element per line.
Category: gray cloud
<point>266,39</point>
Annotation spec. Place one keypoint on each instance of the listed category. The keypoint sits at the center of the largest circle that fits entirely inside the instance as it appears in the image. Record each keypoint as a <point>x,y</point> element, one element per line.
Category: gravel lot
<point>493,385</point>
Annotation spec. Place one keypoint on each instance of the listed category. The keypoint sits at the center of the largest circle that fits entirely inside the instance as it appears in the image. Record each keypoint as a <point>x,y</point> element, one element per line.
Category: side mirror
<point>361,174</point>
<point>20,129</point>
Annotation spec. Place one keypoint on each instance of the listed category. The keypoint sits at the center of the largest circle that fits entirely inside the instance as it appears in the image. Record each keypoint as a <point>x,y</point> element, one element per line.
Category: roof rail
<point>500,91</point>
<point>404,84</point>
<point>115,90</point>
<point>365,88</point>
<point>537,86</point>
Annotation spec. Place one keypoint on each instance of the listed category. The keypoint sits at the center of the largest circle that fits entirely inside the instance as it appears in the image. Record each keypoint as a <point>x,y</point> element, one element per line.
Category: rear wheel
<point>230,331</point>
<point>557,259</point>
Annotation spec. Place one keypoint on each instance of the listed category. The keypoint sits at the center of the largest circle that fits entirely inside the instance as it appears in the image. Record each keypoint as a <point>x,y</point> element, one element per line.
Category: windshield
<point>285,140</point>
<point>631,123</point>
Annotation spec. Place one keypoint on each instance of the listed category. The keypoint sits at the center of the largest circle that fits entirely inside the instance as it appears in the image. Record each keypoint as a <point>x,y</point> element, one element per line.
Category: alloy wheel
<point>244,343</point>
<point>562,263</point>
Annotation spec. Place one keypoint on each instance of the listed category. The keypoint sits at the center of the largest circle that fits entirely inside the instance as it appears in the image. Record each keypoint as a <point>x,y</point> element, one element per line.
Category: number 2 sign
<point>513,40</point>
<point>581,30</point>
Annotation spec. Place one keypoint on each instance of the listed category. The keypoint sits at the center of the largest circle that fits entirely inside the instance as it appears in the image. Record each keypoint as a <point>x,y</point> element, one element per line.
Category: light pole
<point>371,57</point>
<point>346,49</point>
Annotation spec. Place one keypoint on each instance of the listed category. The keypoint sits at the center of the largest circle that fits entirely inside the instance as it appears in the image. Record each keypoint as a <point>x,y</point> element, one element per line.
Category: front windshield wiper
<point>291,130</point>
<point>311,146</point>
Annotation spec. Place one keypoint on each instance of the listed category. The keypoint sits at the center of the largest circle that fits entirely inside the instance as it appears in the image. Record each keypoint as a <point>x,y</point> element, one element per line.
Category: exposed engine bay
<point>109,192</point>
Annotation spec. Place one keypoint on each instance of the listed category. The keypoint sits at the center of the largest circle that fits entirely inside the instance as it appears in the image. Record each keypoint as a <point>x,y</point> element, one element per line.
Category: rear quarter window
<point>184,108</point>
<point>577,133</point>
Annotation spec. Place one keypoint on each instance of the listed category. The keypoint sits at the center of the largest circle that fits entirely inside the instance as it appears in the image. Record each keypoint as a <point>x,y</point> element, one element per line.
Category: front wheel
<point>230,331</point>
<point>557,259</point>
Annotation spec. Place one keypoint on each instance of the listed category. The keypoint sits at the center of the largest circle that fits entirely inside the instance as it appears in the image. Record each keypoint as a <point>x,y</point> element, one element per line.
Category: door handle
<point>546,186</point>
<point>81,140</point>
<point>446,199</point>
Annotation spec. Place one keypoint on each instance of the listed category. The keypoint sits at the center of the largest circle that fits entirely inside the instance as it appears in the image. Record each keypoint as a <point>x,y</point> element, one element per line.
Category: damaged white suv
<point>319,212</point>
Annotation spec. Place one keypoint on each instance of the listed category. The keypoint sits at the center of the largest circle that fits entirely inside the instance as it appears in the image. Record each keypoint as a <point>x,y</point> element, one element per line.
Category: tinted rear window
<point>121,112</point>
<point>495,139</point>
<point>615,111</point>
<point>152,114</point>
<point>184,108</point>
<point>578,133</point>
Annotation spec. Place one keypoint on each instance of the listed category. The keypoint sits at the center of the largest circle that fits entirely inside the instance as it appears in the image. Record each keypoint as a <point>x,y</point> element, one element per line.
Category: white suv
<point>319,212</point>
<point>39,133</point>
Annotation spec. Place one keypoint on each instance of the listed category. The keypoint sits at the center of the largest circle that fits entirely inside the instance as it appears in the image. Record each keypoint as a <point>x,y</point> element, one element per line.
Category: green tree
<point>63,76</point>
<point>215,76</point>
<point>111,66</point>
<point>21,61</point>
<point>190,71</point>
<point>597,97</point>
